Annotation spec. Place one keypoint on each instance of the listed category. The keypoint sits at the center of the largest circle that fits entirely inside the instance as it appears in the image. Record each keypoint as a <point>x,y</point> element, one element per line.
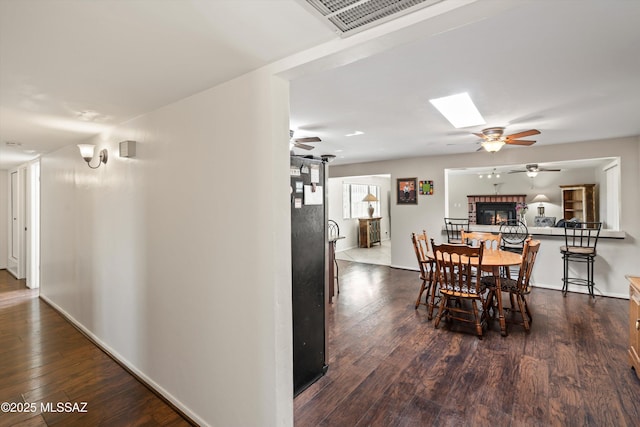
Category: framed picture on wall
<point>426,187</point>
<point>406,190</point>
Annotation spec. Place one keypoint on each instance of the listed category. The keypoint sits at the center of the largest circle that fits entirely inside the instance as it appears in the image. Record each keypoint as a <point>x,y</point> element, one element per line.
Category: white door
<point>17,244</point>
<point>14,246</point>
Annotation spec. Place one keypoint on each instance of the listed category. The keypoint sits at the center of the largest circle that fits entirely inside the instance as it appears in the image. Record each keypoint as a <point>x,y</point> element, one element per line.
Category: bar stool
<point>580,240</point>
<point>333,232</point>
<point>454,227</point>
<point>514,233</point>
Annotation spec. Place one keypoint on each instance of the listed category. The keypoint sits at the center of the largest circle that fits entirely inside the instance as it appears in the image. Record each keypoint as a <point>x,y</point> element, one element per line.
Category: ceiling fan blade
<point>522,134</point>
<point>308,139</point>
<point>479,135</point>
<point>303,146</point>
<point>516,171</point>
<point>519,142</point>
<point>550,170</point>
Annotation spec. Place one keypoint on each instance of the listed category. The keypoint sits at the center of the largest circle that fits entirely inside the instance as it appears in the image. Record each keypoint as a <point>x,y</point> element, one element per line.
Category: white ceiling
<point>568,68</point>
<point>119,59</point>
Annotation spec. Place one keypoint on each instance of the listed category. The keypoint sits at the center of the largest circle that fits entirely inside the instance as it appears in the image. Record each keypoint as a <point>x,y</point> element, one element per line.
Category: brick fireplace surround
<point>494,198</point>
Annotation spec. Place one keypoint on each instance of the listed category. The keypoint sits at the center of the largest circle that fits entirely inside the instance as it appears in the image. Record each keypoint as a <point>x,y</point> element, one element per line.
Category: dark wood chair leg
<point>422,288</point>
<point>443,301</point>
<point>565,285</point>
<point>525,319</point>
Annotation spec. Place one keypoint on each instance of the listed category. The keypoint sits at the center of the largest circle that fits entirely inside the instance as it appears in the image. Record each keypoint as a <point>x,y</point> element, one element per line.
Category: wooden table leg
<point>432,298</point>
<point>503,322</point>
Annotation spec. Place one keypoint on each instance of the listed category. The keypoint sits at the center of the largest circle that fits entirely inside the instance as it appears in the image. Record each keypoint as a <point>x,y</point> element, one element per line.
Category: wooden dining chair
<point>490,241</point>
<point>457,268</point>
<point>427,267</point>
<point>518,288</point>
<point>474,238</point>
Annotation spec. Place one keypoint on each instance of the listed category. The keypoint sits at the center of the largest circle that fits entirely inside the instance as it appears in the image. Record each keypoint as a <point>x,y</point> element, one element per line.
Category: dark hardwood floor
<point>389,366</point>
<point>44,359</point>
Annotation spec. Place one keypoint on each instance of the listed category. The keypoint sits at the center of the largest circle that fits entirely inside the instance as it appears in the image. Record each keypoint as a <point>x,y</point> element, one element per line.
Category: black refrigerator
<point>308,270</point>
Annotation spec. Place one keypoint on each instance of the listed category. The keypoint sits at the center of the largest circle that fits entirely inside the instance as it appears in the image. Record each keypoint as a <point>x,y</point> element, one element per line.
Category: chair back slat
<point>421,248</point>
<point>476,238</point>
<point>529,254</point>
<point>458,266</point>
<point>582,234</point>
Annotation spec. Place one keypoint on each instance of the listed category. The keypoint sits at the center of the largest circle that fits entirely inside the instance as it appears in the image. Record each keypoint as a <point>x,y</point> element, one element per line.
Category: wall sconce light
<point>127,149</point>
<point>540,198</point>
<point>87,151</point>
<point>370,198</point>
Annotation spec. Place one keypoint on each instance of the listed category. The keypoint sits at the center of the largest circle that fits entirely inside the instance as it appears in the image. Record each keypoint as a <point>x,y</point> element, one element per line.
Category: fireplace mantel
<point>491,198</point>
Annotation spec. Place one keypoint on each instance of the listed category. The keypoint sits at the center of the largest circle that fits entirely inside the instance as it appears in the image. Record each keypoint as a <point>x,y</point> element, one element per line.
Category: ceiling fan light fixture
<point>492,146</point>
<point>459,109</point>
<point>532,174</point>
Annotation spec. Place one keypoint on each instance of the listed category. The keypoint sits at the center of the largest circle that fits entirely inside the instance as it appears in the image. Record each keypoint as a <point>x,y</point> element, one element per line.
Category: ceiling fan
<point>302,142</point>
<point>494,138</point>
<point>533,169</point>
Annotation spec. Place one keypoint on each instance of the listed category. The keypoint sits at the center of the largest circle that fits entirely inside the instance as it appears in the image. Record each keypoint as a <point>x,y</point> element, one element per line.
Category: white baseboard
<point>575,290</point>
<point>118,357</point>
<point>580,290</point>
<point>402,267</point>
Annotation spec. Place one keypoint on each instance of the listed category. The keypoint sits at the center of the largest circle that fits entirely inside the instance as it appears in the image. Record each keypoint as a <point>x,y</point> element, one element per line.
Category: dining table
<point>492,261</point>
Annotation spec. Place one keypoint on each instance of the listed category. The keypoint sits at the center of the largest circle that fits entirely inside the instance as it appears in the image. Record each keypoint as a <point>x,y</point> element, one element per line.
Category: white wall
<point>173,259</point>
<point>616,257</point>
<point>349,227</point>
<point>4,218</point>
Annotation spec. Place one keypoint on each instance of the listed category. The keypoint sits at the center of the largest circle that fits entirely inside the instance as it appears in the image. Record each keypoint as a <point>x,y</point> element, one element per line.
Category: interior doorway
<point>24,223</point>
<point>346,207</point>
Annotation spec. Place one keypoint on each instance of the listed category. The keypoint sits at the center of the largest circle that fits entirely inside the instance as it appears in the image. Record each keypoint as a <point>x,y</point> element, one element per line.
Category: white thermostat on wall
<point>128,149</point>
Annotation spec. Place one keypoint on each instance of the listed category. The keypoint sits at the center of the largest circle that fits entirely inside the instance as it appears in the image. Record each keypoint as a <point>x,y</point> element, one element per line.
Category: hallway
<point>45,362</point>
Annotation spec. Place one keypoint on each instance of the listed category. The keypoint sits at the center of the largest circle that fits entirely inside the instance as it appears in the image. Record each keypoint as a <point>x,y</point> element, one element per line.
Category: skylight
<point>459,109</point>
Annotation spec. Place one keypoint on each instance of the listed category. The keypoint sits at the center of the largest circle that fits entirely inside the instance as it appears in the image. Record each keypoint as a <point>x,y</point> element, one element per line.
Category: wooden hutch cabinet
<point>579,201</point>
<point>369,231</point>
<point>634,323</point>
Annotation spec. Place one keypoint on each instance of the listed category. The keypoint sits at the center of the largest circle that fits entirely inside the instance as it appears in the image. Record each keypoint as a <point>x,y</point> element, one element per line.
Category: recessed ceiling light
<point>355,133</point>
<point>459,109</point>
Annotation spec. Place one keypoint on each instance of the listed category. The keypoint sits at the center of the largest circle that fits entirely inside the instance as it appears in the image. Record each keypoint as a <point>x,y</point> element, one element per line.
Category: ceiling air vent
<point>351,16</point>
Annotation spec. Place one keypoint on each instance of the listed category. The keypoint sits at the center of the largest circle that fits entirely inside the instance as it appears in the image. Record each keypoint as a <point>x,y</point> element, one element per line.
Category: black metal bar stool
<point>580,239</point>
<point>454,227</point>
<point>333,232</point>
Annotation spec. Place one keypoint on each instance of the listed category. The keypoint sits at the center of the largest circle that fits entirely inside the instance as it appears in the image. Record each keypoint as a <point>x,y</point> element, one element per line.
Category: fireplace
<point>492,208</point>
<point>494,213</point>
